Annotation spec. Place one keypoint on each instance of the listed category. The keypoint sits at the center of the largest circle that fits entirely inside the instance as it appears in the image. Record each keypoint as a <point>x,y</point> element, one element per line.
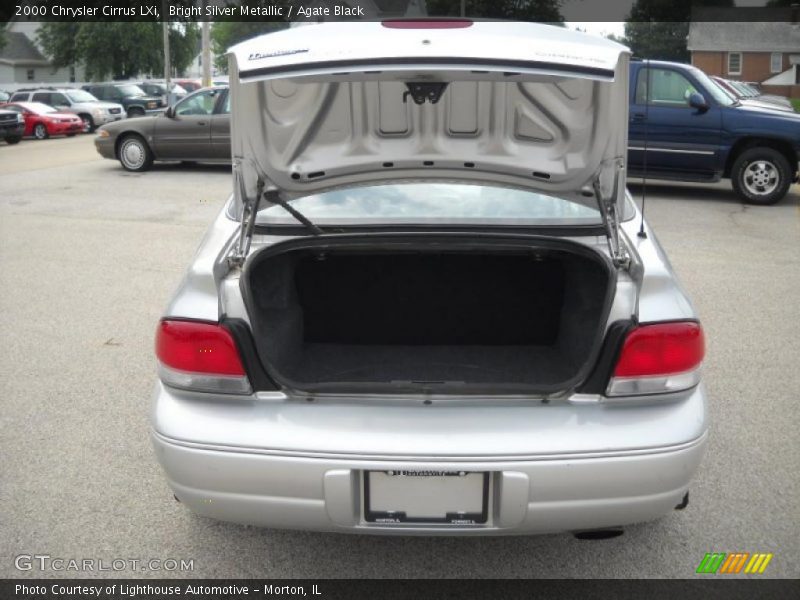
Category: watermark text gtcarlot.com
<point>45,562</point>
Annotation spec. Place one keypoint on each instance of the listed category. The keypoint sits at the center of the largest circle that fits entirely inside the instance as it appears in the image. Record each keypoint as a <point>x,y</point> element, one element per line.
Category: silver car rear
<point>452,348</point>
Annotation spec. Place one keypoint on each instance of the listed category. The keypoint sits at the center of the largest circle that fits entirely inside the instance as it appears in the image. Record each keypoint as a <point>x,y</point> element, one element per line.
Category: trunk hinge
<point>249,212</point>
<point>608,211</point>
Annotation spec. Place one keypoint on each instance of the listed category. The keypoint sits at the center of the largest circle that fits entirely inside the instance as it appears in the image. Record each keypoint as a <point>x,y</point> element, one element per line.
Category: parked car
<point>12,125</point>
<point>159,88</point>
<point>4,97</point>
<point>755,91</point>
<point>91,111</point>
<point>133,99</point>
<point>751,97</point>
<point>693,131</point>
<point>42,121</point>
<point>196,129</point>
<point>190,85</point>
<point>425,309</point>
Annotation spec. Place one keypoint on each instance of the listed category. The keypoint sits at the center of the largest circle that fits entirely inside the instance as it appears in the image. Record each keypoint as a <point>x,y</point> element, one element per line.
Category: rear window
<point>435,203</point>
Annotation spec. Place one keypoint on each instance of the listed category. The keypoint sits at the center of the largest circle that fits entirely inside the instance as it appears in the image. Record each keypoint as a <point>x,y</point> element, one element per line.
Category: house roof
<point>20,50</point>
<point>711,30</point>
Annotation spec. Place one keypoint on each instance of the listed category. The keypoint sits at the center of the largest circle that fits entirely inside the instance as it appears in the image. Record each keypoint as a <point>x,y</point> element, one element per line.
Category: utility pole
<point>206,55</point>
<point>167,62</point>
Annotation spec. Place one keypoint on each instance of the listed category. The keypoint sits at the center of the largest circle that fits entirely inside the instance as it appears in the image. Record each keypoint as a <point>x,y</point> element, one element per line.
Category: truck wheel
<point>135,112</point>
<point>761,176</point>
<point>88,123</point>
<point>134,154</point>
<point>14,139</point>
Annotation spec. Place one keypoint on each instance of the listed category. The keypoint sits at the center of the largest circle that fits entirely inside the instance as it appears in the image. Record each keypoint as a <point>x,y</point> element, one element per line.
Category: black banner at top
<point>372,10</point>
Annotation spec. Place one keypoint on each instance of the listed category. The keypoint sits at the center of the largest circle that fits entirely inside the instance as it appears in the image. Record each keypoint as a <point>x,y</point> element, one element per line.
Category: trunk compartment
<point>438,313</point>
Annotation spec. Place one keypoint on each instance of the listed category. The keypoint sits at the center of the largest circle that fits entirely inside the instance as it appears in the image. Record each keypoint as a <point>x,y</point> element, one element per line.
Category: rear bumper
<point>526,497</point>
<point>323,490</point>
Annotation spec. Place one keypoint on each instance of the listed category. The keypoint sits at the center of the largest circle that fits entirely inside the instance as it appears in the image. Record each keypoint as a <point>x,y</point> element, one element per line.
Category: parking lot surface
<point>89,256</point>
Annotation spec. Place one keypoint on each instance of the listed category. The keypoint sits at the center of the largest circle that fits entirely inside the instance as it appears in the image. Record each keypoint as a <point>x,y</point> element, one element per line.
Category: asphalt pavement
<point>89,256</point>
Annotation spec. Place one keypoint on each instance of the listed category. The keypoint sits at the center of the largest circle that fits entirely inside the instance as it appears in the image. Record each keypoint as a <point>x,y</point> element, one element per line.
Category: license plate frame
<point>416,480</point>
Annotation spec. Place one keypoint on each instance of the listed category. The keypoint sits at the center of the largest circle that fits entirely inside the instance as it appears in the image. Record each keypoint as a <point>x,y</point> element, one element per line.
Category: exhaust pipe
<point>599,534</point>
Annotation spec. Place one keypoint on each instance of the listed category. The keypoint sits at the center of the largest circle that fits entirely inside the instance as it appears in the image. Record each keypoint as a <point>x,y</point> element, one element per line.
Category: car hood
<point>144,125</point>
<point>769,111</point>
<point>60,115</point>
<point>105,105</point>
<point>519,104</point>
<point>145,98</point>
<point>766,105</point>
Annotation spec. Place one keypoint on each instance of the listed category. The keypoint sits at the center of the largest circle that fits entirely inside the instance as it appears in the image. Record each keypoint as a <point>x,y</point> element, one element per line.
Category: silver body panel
<point>281,459</point>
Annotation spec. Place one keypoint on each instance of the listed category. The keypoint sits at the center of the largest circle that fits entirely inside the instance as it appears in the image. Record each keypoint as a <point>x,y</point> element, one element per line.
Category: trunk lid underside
<point>341,104</point>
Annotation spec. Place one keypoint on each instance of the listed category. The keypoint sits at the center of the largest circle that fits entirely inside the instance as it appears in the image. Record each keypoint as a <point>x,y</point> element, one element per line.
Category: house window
<point>734,63</point>
<point>31,75</point>
<point>776,62</point>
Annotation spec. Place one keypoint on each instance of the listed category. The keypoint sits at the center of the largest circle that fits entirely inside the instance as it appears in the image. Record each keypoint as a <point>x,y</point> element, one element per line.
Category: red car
<point>190,85</point>
<point>42,121</point>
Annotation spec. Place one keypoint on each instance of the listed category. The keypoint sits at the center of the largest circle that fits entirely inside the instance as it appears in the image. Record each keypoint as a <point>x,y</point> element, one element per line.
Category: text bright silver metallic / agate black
<point>430,315</point>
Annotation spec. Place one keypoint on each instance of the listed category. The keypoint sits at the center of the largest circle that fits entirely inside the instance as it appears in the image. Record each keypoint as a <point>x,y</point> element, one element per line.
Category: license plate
<point>423,496</point>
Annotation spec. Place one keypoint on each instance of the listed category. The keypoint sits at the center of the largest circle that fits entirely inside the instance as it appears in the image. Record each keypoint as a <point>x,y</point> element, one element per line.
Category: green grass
<point>796,104</point>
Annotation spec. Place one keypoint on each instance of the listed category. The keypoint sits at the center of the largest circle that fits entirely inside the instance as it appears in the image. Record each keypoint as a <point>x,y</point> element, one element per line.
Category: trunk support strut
<point>249,212</point>
<point>610,216</point>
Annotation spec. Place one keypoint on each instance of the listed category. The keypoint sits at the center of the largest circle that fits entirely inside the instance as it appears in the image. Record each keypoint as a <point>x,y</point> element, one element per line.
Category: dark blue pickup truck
<point>694,131</point>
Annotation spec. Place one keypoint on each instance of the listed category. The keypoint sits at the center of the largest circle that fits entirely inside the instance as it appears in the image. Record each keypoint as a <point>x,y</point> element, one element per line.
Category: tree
<point>2,36</point>
<point>548,11</point>
<point>120,50</point>
<point>658,40</point>
<point>227,32</point>
<point>658,29</point>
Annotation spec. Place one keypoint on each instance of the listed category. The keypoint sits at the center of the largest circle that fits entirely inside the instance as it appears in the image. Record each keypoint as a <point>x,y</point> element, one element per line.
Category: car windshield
<point>81,96</point>
<point>433,203</point>
<point>751,90</point>
<point>722,98</point>
<point>131,90</point>
<point>741,89</point>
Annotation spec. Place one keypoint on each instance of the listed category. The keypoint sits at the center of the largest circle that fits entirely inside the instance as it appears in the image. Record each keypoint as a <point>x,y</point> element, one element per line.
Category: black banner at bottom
<point>413,589</point>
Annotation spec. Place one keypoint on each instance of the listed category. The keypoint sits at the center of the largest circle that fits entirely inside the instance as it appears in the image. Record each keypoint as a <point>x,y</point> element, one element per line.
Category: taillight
<point>199,356</point>
<point>659,358</point>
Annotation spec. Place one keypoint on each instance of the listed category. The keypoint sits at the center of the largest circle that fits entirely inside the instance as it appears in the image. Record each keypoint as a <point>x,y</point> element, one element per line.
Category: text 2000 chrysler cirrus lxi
<point>425,309</point>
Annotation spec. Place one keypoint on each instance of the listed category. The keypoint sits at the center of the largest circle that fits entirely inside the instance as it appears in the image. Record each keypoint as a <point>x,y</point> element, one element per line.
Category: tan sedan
<point>195,129</point>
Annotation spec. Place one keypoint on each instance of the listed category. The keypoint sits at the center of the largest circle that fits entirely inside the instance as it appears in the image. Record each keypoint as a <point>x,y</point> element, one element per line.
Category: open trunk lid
<point>517,104</point>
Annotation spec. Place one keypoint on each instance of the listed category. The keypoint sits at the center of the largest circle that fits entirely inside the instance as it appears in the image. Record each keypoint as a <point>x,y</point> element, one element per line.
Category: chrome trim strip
<point>674,150</point>
<point>432,459</point>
